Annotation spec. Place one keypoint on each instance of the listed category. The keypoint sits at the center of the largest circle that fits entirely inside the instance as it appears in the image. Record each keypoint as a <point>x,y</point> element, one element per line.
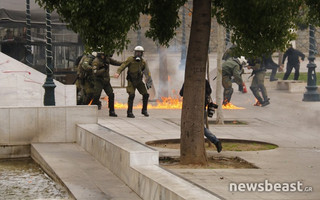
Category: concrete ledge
<point>291,85</point>
<point>23,125</point>
<point>83,176</point>
<point>136,165</point>
<point>14,151</point>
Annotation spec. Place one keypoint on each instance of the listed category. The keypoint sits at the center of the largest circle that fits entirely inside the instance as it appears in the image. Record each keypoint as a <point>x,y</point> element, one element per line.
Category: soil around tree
<point>219,162</point>
<point>227,145</point>
<point>216,161</point>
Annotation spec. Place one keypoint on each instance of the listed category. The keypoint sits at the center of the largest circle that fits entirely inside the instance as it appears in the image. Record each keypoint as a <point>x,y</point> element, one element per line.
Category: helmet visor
<point>138,53</point>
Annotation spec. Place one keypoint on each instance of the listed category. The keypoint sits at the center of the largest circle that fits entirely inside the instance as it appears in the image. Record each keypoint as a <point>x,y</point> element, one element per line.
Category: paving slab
<point>289,122</point>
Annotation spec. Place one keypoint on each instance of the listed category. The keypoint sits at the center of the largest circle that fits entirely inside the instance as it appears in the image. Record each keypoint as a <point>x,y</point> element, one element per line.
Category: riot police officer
<point>231,71</point>
<point>137,67</point>
<point>85,80</point>
<point>102,79</point>
<point>257,84</point>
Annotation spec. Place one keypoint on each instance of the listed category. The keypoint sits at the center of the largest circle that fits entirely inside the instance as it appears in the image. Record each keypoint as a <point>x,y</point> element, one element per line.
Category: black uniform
<point>293,62</point>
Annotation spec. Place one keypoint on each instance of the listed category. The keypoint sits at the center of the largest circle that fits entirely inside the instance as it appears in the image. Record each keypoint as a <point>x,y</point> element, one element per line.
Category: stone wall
<point>25,125</point>
<point>21,85</point>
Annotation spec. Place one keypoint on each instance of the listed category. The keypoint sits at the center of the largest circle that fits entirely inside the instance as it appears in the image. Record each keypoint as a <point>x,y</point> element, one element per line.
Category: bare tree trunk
<point>220,118</point>
<point>163,72</point>
<point>192,150</point>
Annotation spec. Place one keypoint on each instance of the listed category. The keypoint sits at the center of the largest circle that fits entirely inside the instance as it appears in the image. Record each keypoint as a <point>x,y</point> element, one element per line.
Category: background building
<point>67,45</point>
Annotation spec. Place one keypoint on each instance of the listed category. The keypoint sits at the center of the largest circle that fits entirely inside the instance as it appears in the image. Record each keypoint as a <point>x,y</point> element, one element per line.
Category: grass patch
<point>302,77</point>
<point>241,146</point>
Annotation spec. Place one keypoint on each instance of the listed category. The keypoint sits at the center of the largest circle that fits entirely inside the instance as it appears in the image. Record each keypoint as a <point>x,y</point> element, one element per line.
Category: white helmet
<point>139,48</point>
<point>242,61</point>
<point>94,53</point>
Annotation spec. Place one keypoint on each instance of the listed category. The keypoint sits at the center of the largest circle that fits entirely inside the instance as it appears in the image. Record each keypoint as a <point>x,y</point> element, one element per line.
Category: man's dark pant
<point>289,69</point>
<point>210,136</point>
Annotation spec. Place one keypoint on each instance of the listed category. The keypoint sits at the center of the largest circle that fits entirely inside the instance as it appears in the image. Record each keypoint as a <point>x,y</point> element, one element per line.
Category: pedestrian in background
<point>293,62</point>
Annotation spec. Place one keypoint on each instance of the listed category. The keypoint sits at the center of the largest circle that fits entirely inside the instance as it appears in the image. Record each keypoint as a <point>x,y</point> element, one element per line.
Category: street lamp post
<point>312,93</point>
<point>28,34</point>
<point>49,85</point>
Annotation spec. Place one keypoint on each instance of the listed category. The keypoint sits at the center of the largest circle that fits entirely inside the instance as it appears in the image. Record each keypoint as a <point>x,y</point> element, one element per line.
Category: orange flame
<point>118,105</point>
<point>164,103</point>
<point>90,102</point>
<point>168,103</point>
<point>231,106</point>
<point>257,103</point>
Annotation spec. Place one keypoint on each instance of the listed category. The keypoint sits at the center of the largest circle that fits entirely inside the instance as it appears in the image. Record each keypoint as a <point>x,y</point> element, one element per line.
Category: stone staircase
<point>103,164</point>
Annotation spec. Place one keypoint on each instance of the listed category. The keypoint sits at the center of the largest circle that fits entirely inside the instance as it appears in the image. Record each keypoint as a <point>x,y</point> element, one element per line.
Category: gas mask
<point>138,55</point>
<point>138,59</point>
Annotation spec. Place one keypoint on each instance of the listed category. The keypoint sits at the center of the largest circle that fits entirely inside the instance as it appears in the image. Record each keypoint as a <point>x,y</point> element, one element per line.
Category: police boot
<point>145,105</point>
<point>227,94</point>
<point>259,101</point>
<point>111,105</point>
<point>226,100</point>
<point>256,94</point>
<point>130,105</point>
<point>265,97</point>
<point>266,101</point>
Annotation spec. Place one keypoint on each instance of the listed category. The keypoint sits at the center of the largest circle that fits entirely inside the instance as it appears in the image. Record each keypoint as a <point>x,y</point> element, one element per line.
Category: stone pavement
<point>289,122</point>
